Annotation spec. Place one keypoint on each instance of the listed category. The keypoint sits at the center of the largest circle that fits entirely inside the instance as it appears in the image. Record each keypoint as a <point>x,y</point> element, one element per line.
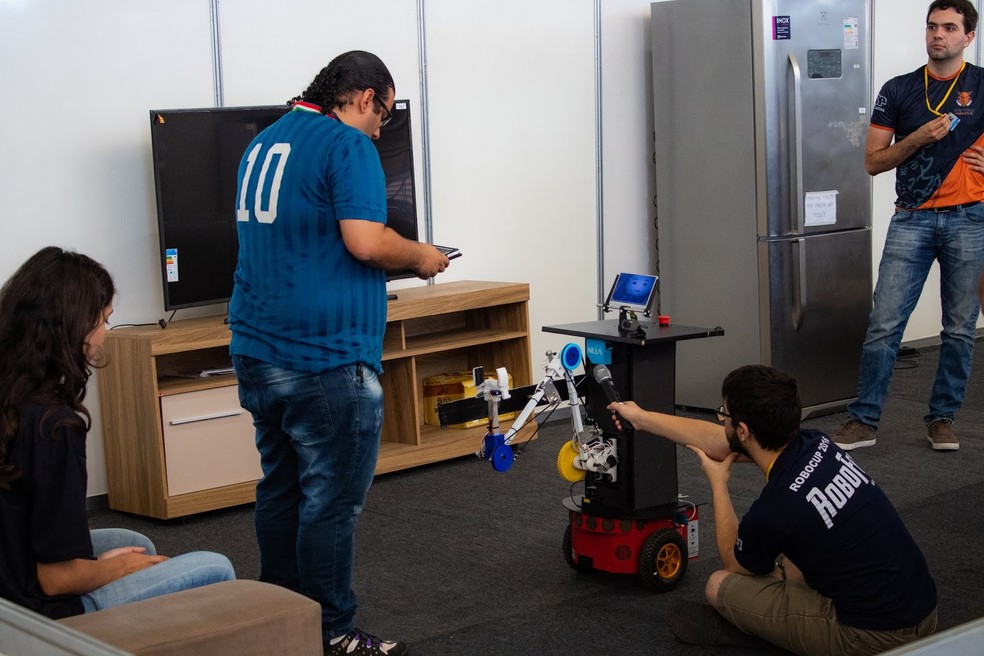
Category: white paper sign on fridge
<point>821,208</point>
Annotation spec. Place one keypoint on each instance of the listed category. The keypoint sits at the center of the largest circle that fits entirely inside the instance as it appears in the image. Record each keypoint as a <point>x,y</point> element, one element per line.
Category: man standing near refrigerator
<point>936,117</point>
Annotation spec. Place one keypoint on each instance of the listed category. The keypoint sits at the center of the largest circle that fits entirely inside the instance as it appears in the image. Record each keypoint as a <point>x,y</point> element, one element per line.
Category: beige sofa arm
<point>245,618</point>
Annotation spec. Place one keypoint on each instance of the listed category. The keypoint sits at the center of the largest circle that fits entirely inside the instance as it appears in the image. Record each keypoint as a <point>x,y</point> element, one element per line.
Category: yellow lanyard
<point>769,470</point>
<point>952,84</point>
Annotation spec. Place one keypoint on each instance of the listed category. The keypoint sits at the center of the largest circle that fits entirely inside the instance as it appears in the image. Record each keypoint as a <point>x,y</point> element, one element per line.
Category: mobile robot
<point>603,534</point>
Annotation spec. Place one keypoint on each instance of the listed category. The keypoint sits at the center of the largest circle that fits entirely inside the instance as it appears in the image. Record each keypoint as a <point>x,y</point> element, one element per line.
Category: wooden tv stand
<point>178,443</point>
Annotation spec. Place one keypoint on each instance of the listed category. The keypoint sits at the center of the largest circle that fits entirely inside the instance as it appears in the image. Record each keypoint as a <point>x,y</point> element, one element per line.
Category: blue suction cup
<point>570,356</point>
<point>501,458</point>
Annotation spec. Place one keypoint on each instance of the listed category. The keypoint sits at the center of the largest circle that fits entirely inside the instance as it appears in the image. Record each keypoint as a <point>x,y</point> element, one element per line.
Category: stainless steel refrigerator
<point>763,205</point>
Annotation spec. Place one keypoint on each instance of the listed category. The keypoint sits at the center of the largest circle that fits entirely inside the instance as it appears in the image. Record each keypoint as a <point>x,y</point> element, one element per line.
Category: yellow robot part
<point>565,464</point>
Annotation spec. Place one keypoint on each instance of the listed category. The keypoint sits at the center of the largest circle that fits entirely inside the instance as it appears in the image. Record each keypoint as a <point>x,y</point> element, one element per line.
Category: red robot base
<point>657,548</point>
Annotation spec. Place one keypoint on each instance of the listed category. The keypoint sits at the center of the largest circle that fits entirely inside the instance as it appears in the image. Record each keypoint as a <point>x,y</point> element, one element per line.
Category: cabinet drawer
<point>208,441</point>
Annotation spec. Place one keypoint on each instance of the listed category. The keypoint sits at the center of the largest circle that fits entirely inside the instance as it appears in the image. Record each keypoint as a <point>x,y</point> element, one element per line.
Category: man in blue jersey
<point>928,126</point>
<point>307,314</point>
<point>821,563</point>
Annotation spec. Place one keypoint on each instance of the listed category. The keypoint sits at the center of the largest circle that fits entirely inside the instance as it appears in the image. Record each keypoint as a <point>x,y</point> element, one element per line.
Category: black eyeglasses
<point>721,413</point>
<point>388,114</point>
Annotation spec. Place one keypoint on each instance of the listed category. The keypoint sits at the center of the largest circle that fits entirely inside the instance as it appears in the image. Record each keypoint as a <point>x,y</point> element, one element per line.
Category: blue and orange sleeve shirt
<point>936,175</point>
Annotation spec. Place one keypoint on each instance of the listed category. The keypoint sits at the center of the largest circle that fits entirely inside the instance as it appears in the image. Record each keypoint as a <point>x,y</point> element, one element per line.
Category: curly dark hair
<point>963,7</point>
<point>47,310</point>
<point>345,75</point>
<point>767,401</point>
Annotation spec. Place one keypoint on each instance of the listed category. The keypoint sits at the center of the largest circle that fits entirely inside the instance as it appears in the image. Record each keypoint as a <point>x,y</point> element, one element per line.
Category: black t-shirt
<point>830,519</point>
<point>43,517</point>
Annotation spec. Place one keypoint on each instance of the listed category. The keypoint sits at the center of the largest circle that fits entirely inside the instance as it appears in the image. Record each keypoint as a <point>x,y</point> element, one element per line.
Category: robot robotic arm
<point>588,449</point>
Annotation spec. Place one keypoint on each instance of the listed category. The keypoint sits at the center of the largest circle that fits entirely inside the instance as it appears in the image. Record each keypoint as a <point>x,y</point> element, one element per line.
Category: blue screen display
<point>633,290</point>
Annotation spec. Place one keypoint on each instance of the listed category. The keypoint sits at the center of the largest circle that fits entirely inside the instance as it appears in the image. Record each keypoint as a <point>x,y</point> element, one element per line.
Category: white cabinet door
<point>208,441</point>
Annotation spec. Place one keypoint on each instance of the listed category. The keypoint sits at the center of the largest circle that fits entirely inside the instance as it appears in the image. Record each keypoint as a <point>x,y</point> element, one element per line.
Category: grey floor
<point>456,558</point>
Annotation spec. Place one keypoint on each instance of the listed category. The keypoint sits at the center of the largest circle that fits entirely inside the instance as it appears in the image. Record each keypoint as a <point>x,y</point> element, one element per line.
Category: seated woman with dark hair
<point>53,315</point>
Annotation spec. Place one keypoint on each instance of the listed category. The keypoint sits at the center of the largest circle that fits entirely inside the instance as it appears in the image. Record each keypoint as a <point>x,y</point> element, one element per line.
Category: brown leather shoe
<point>940,435</point>
<point>853,434</point>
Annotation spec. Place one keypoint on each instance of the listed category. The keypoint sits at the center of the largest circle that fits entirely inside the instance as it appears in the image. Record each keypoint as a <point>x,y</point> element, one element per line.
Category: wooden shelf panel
<point>219,497</point>
<point>175,385</point>
<point>449,341</point>
<point>184,335</point>
<point>401,415</point>
<point>448,297</point>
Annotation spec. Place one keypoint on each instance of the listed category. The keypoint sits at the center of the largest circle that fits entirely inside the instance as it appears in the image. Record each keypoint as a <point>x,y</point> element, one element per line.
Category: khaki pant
<point>796,617</point>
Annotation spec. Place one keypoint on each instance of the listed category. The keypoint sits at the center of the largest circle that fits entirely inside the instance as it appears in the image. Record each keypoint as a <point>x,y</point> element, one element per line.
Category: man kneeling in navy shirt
<point>821,563</point>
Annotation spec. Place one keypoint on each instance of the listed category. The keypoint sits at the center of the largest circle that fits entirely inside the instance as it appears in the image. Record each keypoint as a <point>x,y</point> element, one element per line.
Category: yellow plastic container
<point>453,387</point>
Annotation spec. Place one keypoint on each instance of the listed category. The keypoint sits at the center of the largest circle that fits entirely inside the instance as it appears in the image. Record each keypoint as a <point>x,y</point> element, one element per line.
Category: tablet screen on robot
<point>633,291</point>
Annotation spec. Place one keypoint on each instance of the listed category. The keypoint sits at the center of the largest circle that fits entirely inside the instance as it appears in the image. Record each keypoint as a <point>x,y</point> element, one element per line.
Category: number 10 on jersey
<point>280,151</point>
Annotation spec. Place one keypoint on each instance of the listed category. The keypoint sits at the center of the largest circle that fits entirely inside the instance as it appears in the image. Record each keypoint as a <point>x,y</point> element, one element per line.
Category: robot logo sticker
<point>880,103</point>
<point>598,351</point>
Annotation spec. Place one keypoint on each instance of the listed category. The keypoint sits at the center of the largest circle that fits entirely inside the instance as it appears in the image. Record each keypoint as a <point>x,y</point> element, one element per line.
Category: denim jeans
<point>183,572</point>
<point>318,438</point>
<point>915,239</point>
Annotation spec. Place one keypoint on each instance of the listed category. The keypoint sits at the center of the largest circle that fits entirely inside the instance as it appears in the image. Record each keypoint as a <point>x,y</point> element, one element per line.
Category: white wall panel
<point>511,90</point>
<point>628,171</point>
<point>272,50</point>
<point>78,80</point>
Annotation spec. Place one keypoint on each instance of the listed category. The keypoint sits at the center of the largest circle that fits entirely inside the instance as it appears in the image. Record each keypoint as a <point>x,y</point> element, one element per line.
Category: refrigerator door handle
<point>799,284</point>
<point>796,193</point>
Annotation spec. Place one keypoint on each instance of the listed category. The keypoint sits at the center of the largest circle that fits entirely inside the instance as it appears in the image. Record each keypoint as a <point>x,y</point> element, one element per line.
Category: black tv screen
<point>196,154</point>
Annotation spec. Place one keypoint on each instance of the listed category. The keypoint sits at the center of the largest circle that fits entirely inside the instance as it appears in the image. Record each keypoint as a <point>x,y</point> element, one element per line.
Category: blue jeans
<point>318,438</point>
<point>915,239</point>
<point>183,572</point>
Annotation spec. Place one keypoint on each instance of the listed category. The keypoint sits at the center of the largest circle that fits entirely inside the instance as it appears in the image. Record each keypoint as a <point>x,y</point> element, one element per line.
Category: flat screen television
<point>196,154</point>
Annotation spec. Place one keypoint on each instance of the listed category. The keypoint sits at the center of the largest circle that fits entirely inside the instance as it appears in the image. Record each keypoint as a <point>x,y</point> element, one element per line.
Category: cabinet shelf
<point>164,467</point>
<point>446,341</point>
<point>179,385</point>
